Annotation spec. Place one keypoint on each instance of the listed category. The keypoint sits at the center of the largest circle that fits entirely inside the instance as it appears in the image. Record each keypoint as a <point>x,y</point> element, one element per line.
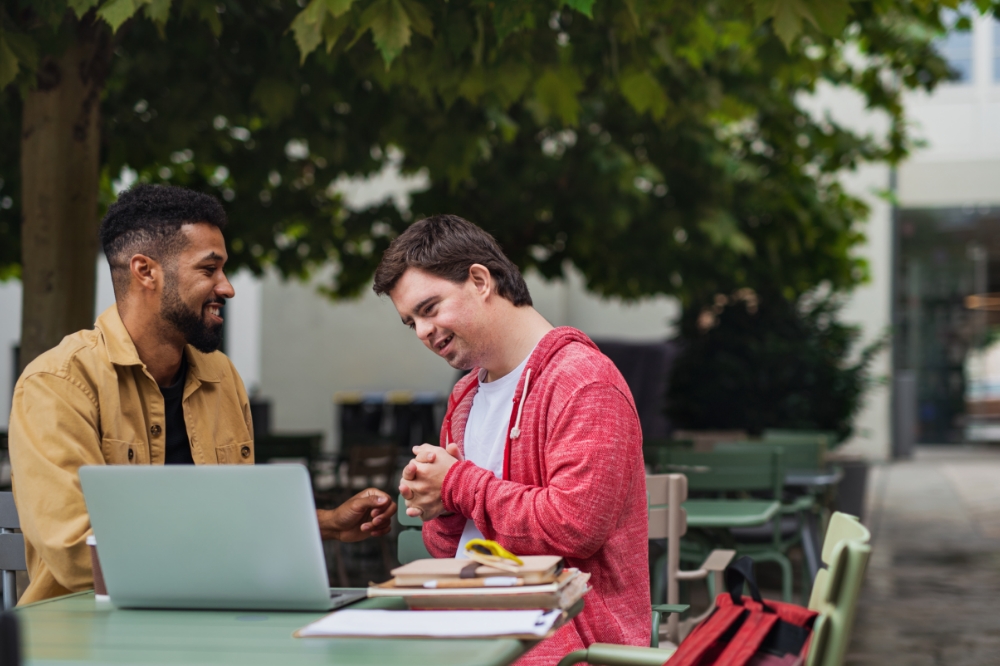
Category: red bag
<point>747,632</point>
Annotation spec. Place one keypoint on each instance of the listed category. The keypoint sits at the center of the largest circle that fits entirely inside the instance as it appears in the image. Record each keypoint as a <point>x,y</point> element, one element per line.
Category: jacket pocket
<point>235,454</point>
<point>117,452</point>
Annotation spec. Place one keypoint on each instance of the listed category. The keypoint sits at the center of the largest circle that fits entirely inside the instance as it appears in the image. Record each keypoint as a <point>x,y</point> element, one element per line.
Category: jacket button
<point>131,454</point>
<point>245,451</point>
<point>155,430</point>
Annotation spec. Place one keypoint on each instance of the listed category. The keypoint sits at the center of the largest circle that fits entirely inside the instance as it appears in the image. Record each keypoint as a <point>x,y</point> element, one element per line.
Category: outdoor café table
<point>77,629</point>
<point>812,481</point>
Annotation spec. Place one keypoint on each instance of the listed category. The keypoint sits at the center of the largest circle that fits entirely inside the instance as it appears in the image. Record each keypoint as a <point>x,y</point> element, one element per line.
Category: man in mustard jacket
<point>146,386</point>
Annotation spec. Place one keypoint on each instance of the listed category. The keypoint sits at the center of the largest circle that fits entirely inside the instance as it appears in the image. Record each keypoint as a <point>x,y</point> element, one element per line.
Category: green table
<point>728,513</point>
<point>77,629</point>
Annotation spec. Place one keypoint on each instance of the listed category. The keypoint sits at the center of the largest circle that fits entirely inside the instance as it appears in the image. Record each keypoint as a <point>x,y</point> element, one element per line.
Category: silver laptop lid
<point>224,537</point>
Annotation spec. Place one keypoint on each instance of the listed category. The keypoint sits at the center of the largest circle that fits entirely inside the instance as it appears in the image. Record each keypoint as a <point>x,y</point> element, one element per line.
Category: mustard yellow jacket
<point>91,401</point>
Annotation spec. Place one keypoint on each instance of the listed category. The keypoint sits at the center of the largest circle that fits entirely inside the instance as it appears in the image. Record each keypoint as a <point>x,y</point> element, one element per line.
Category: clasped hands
<point>423,477</point>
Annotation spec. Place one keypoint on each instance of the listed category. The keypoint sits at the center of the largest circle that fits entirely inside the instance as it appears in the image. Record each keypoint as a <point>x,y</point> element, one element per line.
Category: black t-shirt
<point>177,444</point>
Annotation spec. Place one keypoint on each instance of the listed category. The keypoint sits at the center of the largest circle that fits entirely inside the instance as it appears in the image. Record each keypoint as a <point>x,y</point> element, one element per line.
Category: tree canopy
<point>659,146</point>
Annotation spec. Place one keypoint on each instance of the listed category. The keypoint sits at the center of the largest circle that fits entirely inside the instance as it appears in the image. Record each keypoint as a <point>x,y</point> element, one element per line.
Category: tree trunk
<point>60,150</point>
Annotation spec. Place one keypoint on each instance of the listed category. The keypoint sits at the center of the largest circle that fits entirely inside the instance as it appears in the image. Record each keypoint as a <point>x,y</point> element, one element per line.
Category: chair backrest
<point>8,512</point>
<point>11,549</point>
<point>800,453</point>
<point>730,471</point>
<point>661,510</point>
<point>704,440</point>
<point>832,630</point>
<point>773,434</point>
<point>842,527</point>
<point>653,448</point>
<point>410,542</point>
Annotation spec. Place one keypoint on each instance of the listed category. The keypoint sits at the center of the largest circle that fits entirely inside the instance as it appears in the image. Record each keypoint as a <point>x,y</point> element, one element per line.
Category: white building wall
<point>960,124</point>
<point>869,305</point>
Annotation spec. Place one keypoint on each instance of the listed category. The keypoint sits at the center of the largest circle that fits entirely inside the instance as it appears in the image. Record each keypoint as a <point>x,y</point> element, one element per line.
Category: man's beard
<point>203,337</point>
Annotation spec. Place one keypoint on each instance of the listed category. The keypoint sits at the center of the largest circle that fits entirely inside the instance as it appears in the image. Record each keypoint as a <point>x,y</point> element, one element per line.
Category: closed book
<point>562,593</point>
<point>537,569</point>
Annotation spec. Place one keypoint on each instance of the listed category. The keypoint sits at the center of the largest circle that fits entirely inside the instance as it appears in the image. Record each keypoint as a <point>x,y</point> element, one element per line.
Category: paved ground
<point>932,593</point>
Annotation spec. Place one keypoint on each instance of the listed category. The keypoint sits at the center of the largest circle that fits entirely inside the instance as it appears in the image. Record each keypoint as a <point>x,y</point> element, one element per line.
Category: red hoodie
<point>573,485</point>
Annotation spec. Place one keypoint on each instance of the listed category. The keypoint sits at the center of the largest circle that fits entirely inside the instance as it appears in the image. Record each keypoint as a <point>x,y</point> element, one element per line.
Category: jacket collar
<point>122,351</point>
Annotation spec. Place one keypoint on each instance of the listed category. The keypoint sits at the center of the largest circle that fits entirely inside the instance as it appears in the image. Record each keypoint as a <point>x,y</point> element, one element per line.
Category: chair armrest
<point>605,654</point>
<point>670,608</point>
<point>718,560</point>
<point>658,610</point>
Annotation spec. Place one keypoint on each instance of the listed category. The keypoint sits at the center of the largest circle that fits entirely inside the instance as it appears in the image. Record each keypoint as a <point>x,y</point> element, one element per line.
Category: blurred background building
<point>933,248</point>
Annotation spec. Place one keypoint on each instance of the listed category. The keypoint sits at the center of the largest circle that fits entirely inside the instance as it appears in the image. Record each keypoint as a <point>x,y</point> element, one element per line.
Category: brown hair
<point>446,246</point>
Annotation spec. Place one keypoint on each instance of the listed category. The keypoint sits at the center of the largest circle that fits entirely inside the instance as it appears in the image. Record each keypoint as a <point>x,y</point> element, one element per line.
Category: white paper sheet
<point>436,624</point>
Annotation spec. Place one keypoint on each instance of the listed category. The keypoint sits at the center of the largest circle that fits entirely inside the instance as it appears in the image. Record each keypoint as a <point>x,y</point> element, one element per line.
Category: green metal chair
<point>655,452</point>
<point>842,527</point>
<point>668,521</point>
<point>410,542</point>
<point>831,632</point>
<point>4,457</point>
<point>829,437</point>
<point>738,472</point>
<point>801,454</point>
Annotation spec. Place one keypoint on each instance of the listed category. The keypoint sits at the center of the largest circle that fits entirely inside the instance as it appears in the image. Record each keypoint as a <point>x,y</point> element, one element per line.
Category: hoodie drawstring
<point>516,430</point>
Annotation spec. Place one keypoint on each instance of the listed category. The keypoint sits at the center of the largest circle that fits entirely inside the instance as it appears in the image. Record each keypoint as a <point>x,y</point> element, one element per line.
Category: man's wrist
<point>328,528</point>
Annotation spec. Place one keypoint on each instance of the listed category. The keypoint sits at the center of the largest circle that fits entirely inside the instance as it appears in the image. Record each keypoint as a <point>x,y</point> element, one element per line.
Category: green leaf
<point>307,27</point>
<point>512,80</point>
<point>338,7</point>
<point>556,91</point>
<point>420,18</point>
<point>510,16</point>
<point>644,93</point>
<point>333,29</point>
<point>473,85</point>
<point>787,16</point>
<point>24,49</point>
<point>81,7</point>
<point>830,15</point>
<point>9,64</point>
<point>722,230</point>
<point>208,14</point>
<point>158,11</point>
<point>585,7</point>
<point>116,12</point>
<point>275,97</point>
<point>390,26</point>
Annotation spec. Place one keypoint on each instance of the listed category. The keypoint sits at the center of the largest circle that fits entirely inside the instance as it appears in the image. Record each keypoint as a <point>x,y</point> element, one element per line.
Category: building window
<point>956,49</point>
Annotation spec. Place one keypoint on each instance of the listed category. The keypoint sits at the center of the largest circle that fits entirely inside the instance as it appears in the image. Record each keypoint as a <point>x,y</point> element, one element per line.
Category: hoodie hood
<point>460,401</point>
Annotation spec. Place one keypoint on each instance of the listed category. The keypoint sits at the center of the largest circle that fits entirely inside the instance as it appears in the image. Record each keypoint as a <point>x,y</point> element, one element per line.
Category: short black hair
<point>147,220</point>
<point>446,246</point>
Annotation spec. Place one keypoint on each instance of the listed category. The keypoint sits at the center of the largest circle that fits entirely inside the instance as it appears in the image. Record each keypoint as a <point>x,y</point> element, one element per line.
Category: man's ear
<point>481,278</point>
<point>146,271</point>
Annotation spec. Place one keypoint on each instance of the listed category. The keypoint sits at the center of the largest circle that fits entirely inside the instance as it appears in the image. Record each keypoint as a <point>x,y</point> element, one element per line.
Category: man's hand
<point>367,514</point>
<point>423,477</point>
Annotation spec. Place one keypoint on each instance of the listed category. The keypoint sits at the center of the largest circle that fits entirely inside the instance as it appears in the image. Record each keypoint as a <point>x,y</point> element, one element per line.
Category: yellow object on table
<point>492,554</point>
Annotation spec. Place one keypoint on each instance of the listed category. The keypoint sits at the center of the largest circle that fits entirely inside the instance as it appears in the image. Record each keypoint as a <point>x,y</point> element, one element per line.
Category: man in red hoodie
<point>543,448</point>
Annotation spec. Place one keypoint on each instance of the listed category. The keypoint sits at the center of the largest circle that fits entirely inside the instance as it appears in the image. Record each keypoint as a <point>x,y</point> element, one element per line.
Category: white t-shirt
<point>486,431</point>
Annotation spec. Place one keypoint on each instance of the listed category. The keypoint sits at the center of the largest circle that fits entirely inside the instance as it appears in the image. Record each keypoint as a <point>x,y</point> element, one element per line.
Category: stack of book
<point>459,584</point>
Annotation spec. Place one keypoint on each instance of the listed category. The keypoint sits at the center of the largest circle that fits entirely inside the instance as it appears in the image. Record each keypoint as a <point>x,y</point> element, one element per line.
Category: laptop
<point>210,537</point>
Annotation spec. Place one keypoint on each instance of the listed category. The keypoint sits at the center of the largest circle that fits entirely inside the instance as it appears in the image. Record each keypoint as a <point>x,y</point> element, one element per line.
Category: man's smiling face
<point>445,315</point>
<point>195,287</point>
